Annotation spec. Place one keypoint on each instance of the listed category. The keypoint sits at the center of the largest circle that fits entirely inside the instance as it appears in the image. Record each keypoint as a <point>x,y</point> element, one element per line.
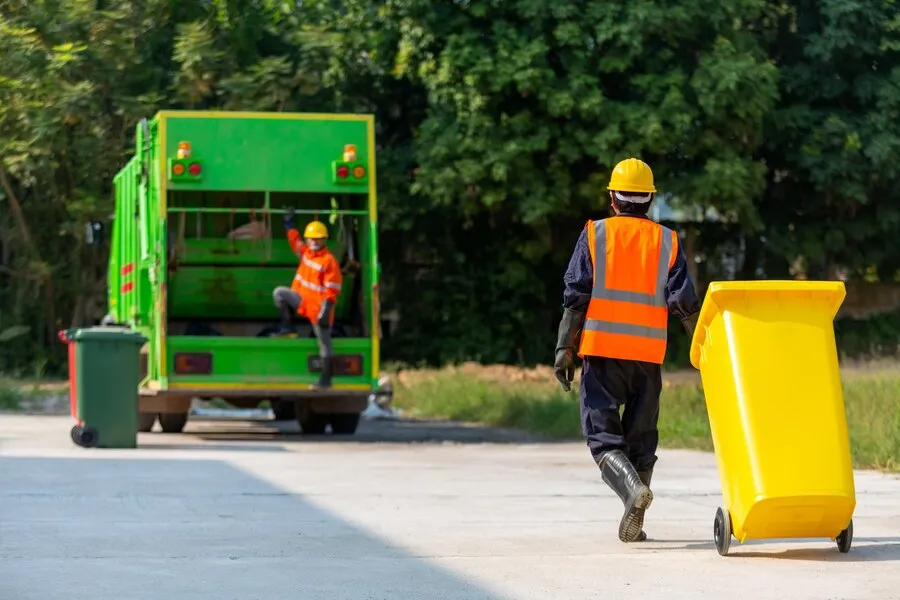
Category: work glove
<point>289,220</point>
<point>690,324</point>
<point>324,314</point>
<point>566,344</point>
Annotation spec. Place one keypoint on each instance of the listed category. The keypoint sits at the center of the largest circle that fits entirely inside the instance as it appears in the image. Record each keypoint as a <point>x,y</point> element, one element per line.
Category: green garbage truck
<point>198,245</point>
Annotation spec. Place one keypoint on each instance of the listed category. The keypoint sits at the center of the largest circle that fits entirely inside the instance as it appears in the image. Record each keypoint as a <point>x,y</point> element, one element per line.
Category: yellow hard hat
<point>315,229</point>
<point>632,175</point>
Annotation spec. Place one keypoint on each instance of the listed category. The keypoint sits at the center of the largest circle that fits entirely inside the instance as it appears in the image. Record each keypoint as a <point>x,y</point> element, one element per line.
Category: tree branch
<point>17,212</point>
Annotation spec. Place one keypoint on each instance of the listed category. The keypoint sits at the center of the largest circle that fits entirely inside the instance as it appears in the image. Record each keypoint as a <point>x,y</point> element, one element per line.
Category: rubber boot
<point>645,476</point>
<point>620,475</point>
<point>325,378</point>
<point>285,326</point>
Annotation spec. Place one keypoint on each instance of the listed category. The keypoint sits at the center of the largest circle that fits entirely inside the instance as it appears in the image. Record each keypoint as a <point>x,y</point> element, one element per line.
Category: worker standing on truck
<point>625,276</point>
<point>314,291</point>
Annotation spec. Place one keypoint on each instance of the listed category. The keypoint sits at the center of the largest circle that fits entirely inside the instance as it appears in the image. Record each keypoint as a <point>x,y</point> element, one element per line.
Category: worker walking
<point>314,291</point>
<point>625,276</point>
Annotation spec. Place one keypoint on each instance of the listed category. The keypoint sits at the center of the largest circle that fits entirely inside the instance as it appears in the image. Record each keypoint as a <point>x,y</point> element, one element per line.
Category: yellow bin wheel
<point>722,531</point>
<point>845,539</point>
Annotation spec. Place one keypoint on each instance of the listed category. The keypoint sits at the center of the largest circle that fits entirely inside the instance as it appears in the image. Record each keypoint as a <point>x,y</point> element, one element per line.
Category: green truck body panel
<point>203,297</point>
<point>279,155</point>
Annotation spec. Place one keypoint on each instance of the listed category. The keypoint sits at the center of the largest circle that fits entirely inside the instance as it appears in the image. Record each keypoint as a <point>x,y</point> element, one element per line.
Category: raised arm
<point>293,236</point>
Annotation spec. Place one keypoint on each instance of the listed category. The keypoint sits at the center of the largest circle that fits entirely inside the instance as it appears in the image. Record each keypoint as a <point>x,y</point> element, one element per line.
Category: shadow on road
<point>147,529</point>
<point>380,432</point>
<point>864,549</point>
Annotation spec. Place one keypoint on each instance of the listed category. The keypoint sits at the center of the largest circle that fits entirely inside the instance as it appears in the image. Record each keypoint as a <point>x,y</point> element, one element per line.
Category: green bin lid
<point>109,334</point>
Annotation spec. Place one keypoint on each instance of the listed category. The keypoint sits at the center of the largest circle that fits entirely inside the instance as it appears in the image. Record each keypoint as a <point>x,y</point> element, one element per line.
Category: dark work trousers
<point>607,384</point>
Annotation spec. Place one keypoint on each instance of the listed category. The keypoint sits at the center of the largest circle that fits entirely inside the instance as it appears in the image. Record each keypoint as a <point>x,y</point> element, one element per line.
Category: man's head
<point>631,188</point>
<point>315,234</point>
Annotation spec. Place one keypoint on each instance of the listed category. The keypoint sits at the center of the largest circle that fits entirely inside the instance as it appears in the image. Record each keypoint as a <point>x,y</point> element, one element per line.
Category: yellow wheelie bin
<point>768,361</point>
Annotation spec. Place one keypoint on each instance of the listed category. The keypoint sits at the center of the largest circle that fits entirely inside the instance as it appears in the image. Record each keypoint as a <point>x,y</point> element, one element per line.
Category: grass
<point>11,395</point>
<point>531,400</point>
<point>16,394</point>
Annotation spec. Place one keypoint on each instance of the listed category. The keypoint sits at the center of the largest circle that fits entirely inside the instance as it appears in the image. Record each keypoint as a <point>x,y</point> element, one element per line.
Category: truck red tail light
<point>351,170</point>
<point>193,363</point>
<point>185,170</point>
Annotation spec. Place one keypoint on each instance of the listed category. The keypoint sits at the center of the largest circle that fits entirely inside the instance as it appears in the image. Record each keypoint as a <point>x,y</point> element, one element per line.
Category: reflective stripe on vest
<point>309,284</point>
<point>627,324</point>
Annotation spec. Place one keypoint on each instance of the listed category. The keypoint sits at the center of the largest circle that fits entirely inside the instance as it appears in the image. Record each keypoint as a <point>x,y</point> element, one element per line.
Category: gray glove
<point>324,314</point>
<point>566,344</point>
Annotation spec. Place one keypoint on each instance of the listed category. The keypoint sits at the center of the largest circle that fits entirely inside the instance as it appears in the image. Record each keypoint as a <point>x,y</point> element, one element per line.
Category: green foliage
<point>873,338</point>
<point>497,126</point>
<point>10,397</point>
<point>74,81</point>
<point>832,141</point>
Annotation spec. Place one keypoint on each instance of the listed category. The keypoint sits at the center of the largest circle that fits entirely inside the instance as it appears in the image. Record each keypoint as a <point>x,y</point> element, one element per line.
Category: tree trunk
<point>18,214</point>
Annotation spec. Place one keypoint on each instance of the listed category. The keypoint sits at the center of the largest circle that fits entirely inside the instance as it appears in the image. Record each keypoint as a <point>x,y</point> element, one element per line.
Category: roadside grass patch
<point>11,395</point>
<point>33,395</point>
<point>531,400</point>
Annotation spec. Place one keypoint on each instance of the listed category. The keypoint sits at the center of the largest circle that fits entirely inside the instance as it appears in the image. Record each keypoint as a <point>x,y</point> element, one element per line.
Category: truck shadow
<point>146,529</point>
<point>369,432</point>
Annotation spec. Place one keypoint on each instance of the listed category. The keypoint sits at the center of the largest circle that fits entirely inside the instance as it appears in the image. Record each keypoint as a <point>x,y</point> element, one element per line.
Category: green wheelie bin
<point>104,373</point>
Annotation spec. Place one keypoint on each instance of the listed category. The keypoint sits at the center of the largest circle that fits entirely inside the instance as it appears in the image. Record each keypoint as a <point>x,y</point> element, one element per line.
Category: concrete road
<point>241,511</point>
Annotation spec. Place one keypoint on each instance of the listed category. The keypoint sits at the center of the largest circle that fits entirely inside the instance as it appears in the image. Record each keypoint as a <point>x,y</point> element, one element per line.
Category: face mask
<point>315,244</point>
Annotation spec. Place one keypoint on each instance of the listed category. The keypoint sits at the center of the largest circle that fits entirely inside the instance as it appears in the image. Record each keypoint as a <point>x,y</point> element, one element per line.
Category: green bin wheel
<point>173,422</point>
<point>344,423</point>
<point>86,437</point>
<point>146,421</point>
<point>76,435</point>
<point>845,539</point>
<point>722,531</point>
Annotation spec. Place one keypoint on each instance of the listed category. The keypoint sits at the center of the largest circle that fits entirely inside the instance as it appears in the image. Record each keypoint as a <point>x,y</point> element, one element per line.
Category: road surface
<point>241,511</point>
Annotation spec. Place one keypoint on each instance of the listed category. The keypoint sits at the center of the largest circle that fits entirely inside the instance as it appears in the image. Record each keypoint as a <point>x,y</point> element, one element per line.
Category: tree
<point>833,194</point>
<point>75,78</point>
<point>529,104</point>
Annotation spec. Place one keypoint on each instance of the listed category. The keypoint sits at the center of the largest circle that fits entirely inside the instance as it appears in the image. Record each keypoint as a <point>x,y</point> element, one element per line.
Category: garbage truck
<point>198,244</point>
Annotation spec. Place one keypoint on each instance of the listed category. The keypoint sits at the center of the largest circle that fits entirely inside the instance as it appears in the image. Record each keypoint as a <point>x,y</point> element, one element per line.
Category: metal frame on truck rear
<point>198,245</point>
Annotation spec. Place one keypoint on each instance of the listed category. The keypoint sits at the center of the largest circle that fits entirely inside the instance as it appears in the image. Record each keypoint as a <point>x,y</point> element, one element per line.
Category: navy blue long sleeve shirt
<point>681,298</point>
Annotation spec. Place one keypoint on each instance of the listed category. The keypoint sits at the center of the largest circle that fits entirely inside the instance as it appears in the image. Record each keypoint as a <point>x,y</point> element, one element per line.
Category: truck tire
<point>284,410</point>
<point>344,423</point>
<point>146,421</point>
<point>173,422</point>
<point>312,423</point>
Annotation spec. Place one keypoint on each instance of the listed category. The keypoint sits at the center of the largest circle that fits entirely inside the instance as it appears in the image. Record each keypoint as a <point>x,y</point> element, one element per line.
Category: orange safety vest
<point>318,278</point>
<point>627,317</point>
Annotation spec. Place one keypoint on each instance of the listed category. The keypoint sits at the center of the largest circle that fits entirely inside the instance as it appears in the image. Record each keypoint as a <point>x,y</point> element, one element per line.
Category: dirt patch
<point>512,375</point>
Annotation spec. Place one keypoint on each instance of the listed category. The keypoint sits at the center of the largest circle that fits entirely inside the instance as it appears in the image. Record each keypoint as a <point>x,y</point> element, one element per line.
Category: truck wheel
<point>312,423</point>
<point>344,423</point>
<point>284,410</point>
<point>172,422</point>
<point>146,421</point>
